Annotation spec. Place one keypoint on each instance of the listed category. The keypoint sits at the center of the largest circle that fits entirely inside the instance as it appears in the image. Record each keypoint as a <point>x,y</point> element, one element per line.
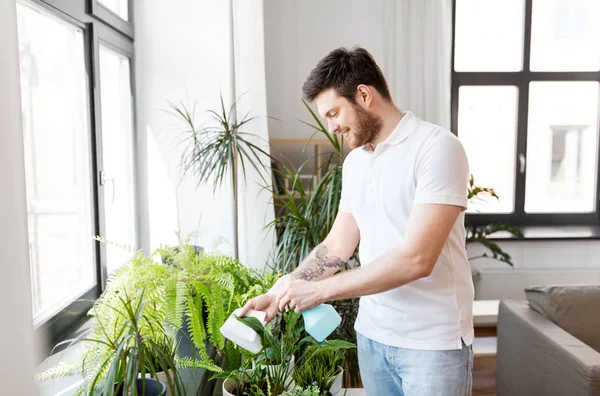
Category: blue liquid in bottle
<point>321,321</point>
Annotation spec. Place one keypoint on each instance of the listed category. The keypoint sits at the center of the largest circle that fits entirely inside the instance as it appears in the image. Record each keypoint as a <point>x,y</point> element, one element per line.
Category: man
<point>403,196</point>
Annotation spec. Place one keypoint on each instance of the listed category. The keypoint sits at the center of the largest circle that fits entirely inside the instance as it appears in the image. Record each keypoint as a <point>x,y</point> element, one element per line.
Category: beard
<point>366,128</point>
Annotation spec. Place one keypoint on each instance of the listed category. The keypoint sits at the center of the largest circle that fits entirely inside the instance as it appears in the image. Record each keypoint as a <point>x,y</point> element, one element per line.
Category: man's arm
<point>330,256</point>
<point>428,228</point>
<point>324,261</point>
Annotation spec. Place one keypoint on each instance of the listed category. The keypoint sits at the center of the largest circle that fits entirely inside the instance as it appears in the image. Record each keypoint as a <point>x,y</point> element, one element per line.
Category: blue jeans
<point>392,371</point>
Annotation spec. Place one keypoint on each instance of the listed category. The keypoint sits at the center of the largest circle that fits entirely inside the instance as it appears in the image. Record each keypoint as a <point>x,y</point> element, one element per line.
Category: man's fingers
<point>283,302</point>
<point>246,308</point>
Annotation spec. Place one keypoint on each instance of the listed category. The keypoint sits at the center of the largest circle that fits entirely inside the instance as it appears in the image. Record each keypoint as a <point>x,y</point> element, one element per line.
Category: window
<point>59,206</point>
<point>79,155</point>
<point>525,97</point>
<point>117,152</point>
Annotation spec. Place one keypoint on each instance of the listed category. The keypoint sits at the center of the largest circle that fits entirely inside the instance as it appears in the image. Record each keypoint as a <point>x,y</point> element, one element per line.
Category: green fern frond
<point>195,323</point>
<point>175,299</point>
<point>62,369</point>
<point>207,364</point>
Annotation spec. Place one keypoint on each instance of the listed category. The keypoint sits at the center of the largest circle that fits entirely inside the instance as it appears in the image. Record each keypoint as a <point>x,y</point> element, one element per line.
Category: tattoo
<point>315,264</point>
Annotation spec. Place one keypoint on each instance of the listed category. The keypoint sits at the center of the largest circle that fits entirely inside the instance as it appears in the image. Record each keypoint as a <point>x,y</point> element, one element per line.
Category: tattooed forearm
<point>316,263</point>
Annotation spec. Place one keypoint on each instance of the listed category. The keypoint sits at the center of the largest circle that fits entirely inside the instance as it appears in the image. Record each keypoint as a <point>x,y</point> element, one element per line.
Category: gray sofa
<point>550,344</point>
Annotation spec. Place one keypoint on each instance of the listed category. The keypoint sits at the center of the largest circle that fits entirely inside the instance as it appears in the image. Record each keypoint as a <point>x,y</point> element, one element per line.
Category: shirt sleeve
<point>345,199</point>
<point>443,173</point>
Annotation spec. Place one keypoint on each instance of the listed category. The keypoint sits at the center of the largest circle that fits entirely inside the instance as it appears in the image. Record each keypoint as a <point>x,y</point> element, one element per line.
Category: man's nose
<point>334,128</point>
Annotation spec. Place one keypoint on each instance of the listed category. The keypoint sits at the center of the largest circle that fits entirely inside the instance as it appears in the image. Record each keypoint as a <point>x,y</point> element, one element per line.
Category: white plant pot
<point>228,386</point>
<point>230,383</point>
<point>336,387</point>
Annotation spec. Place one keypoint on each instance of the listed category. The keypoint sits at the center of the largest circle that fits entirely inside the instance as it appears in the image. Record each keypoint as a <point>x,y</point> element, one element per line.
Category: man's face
<point>356,124</point>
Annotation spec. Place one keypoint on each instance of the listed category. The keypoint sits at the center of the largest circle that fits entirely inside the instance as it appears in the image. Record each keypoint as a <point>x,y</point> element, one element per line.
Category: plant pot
<point>336,387</point>
<point>229,384</point>
<point>153,388</point>
<point>271,368</point>
<point>162,377</point>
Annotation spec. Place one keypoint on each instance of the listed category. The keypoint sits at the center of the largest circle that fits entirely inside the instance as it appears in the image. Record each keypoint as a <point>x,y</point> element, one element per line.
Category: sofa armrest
<point>536,357</point>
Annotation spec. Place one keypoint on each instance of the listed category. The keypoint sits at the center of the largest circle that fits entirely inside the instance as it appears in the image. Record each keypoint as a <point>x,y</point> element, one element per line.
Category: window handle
<point>104,179</point>
<point>521,163</point>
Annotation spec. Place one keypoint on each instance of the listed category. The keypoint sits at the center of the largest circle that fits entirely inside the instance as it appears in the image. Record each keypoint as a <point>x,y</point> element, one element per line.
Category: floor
<point>484,376</point>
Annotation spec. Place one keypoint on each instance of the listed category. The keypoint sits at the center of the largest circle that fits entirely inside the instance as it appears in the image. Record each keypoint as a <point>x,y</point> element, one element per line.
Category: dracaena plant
<point>215,150</point>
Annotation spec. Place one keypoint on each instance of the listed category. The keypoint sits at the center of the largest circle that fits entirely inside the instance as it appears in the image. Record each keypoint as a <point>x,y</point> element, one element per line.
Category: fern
<point>207,364</point>
<point>60,370</point>
<point>195,325</point>
<point>175,299</point>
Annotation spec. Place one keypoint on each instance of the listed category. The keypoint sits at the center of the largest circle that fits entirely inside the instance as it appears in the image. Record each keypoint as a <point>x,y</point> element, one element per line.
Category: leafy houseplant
<point>140,346</point>
<point>322,368</point>
<point>215,151</point>
<point>191,285</point>
<point>204,290</point>
<point>273,368</point>
<point>312,390</point>
<point>479,233</point>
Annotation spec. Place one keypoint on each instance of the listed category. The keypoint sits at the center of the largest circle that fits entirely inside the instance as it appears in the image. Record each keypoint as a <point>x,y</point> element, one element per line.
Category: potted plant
<point>275,369</point>
<point>272,368</point>
<point>312,390</point>
<point>321,367</point>
<point>129,360</point>
<point>215,151</point>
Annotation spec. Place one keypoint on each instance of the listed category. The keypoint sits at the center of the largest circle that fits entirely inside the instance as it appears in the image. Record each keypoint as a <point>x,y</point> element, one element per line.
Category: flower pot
<point>153,388</point>
<point>229,384</point>
<point>162,377</point>
<point>336,387</point>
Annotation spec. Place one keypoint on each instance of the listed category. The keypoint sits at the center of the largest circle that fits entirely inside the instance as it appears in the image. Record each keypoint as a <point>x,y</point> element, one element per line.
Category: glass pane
<point>487,118</point>
<point>565,35</point>
<point>117,145</point>
<point>119,7</point>
<point>489,35</point>
<point>57,159</point>
<point>562,141</point>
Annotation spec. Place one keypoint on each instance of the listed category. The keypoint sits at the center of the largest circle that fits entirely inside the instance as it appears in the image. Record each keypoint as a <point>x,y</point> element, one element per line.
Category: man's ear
<point>364,95</point>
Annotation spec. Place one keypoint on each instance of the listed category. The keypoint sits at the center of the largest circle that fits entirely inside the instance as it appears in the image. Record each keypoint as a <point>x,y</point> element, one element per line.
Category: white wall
<point>16,334</point>
<point>183,54</point>
<point>256,242</point>
<point>298,34</point>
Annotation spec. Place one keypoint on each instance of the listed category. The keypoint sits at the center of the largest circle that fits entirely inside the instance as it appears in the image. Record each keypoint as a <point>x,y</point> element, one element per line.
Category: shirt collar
<point>400,132</point>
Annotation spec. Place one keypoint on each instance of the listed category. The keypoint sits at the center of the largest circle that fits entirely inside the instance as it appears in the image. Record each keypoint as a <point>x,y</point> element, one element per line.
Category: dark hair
<point>344,70</point>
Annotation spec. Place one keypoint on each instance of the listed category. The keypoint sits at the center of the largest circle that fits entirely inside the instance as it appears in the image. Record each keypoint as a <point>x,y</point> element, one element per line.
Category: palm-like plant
<point>307,214</point>
<point>214,151</point>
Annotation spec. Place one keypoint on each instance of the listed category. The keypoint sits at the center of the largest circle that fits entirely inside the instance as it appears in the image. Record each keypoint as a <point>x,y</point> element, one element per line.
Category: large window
<point>525,88</point>
<point>77,105</point>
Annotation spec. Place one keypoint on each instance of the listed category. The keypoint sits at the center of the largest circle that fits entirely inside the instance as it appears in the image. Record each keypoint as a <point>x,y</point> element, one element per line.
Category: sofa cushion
<point>575,308</point>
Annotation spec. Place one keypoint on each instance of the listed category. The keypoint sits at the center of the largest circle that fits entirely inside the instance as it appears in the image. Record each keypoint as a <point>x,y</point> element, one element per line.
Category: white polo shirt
<point>418,163</point>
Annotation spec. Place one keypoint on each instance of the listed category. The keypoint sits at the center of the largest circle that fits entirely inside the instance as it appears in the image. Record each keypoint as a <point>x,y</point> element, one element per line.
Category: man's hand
<point>265,303</point>
<point>300,295</point>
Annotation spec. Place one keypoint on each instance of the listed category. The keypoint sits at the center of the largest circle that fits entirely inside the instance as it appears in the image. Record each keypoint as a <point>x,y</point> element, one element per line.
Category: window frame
<point>521,79</point>
<point>97,27</point>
